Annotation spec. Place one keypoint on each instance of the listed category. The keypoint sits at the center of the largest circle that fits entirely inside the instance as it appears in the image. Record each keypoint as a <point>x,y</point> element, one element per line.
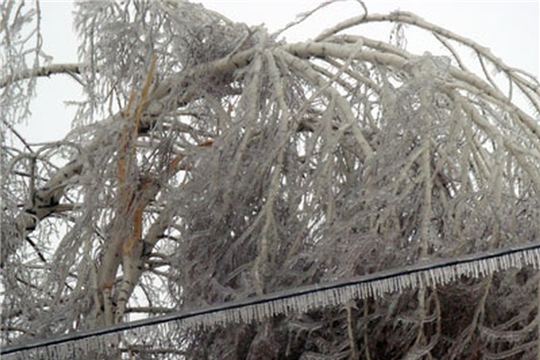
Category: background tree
<point>212,162</point>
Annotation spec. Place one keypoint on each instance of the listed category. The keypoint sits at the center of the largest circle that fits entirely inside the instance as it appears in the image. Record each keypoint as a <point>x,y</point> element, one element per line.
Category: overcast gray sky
<point>510,29</point>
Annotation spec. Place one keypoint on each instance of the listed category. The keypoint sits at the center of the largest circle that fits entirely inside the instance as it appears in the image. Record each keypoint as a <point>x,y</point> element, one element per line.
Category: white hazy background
<point>510,29</point>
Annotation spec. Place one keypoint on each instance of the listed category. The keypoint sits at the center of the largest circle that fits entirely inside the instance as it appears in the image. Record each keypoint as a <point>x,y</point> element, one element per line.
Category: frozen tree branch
<point>44,71</point>
<point>338,198</point>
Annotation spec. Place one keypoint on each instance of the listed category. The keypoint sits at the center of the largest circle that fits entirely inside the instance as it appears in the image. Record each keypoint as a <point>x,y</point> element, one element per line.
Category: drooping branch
<point>170,95</point>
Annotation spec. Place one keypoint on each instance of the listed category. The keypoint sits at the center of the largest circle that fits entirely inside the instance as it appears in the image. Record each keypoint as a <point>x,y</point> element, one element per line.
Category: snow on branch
<point>292,301</point>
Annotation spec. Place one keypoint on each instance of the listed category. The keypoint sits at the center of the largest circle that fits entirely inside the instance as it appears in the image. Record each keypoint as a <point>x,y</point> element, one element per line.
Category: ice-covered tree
<point>212,163</point>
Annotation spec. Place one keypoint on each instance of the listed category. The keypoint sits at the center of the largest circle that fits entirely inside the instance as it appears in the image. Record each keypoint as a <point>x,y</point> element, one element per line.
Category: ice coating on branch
<point>429,66</point>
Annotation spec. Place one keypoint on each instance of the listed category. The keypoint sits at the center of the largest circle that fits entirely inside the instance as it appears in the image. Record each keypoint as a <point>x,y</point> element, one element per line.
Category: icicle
<point>222,318</point>
<point>246,313</point>
<point>250,314</point>
<point>492,265</point>
<point>258,314</point>
<point>268,310</point>
<point>273,305</point>
<point>534,258</point>
<point>279,307</point>
<point>505,262</point>
<point>434,277</point>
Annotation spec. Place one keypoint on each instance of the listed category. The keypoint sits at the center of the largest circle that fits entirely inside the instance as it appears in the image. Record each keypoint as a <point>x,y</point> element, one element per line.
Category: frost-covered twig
<point>44,71</point>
